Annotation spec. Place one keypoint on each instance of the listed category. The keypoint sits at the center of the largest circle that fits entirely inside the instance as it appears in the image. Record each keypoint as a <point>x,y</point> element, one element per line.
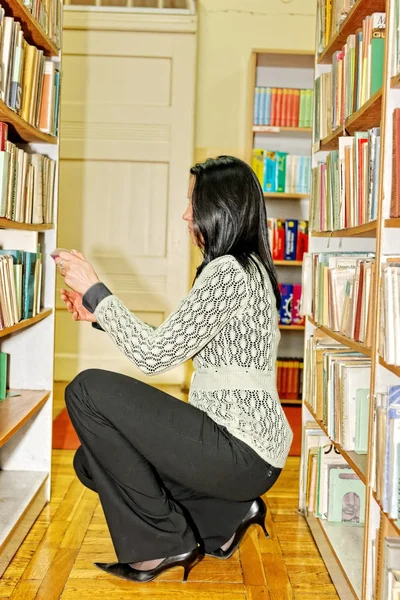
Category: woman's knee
<point>81,385</point>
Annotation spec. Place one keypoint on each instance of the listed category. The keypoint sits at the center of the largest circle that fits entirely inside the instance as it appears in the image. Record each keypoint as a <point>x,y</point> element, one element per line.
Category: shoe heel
<point>187,569</point>
<point>262,525</point>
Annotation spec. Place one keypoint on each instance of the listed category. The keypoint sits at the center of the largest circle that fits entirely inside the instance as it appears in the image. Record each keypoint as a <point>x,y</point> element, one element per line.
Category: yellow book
<point>29,68</point>
<point>257,164</point>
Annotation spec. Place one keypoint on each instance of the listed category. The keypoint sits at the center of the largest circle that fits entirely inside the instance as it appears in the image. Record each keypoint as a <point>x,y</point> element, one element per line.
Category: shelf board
<point>278,129</point>
<point>369,115</point>
<point>292,327</point>
<point>395,81</point>
<point>392,521</point>
<point>358,462</point>
<point>332,557</point>
<point>393,368</point>
<point>357,346</point>
<point>288,263</point>
<point>366,230</point>
<point>296,402</point>
<point>7,224</point>
<point>360,10</point>
<point>392,223</point>
<point>33,32</point>
<point>24,131</point>
<point>285,195</point>
<point>16,410</point>
<point>20,490</point>
<point>26,322</point>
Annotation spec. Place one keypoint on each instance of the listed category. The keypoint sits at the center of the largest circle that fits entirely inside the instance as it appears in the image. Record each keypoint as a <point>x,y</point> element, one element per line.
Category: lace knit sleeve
<point>217,296</point>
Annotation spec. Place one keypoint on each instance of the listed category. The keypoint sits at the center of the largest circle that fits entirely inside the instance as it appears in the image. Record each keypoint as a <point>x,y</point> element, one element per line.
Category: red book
<point>361,201</point>
<point>302,239</point>
<point>395,198</point>
<point>289,108</point>
<point>285,100</point>
<point>273,107</point>
<point>295,109</point>
<point>278,240</point>
<point>3,136</point>
<point>278,109</point>
<point>297,318</point>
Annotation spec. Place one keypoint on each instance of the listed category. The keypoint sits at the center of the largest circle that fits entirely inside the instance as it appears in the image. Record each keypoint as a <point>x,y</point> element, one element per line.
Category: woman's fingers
<point>78,254</point>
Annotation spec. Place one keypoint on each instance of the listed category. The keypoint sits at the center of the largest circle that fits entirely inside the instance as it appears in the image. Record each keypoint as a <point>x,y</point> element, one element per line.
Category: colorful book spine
<point>297,317</point>
<point>291,226</point>
<point>285,313</point>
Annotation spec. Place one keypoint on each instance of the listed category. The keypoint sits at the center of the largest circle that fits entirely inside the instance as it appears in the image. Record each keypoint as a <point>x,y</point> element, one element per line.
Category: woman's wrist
<point>94,295</point>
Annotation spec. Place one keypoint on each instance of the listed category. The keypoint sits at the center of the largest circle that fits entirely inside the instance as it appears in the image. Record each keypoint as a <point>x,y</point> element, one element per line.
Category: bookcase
<point>282,70</point>
<point>26,412</point>
<point>361,555</point>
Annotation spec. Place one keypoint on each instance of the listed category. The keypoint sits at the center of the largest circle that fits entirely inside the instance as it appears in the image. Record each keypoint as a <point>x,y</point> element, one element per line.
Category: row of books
<point>282,172</point>
<point>21,285</point>
<point>30,83</point>
<point>49,16</point>
<point>290,311</point>
<point>282,107</point>
<point>345,185</point>
<point>288,238</point>
<point>337,389</point>
<point>337,292</point>
<point>389,338</point>
<point>330,16</point>
<point>395,196</point>
<point>356,75</point>
<point>26,183</point>
<point>289,378</point>
<point>334,492</point>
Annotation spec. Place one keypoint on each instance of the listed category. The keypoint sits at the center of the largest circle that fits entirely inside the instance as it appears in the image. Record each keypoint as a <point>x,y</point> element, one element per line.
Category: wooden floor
<point>56,559</point>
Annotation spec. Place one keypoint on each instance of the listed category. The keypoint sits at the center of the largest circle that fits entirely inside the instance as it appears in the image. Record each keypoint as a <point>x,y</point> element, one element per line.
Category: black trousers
<point>167,475</point>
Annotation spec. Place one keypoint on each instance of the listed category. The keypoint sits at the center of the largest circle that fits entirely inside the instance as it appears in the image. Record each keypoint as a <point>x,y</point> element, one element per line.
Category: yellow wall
<point>228,31</point>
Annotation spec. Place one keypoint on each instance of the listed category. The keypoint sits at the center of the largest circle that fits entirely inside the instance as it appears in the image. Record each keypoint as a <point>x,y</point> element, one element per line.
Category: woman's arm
<point>217,296</point>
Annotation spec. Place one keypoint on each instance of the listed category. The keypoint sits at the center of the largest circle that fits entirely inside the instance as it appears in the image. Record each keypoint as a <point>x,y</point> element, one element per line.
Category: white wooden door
<point>126,149</point>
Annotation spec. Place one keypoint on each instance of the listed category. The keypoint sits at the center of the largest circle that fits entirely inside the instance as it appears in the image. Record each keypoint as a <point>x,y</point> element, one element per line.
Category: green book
<point>19,270</point>
<point>3,375</point>
<point>28,285</point>
<point>346,497</point>
<point>362,418</point>
<point>280,171</point>
<point>377,51</point>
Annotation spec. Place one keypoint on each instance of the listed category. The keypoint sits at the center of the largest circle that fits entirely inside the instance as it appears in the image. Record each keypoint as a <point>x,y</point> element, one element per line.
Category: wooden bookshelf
<point>368,116</point>
<point>357,346</point>
<point>392,521</point>
<point>46,312</point>
<point>360,10</point>
<point>21,129</point>
<point>358,462</point>
<point>8,224</point>
<point>288,263</point>
<point>273,129</point>
<point>33,32</point>
<point>295,402</point>
<point>393,223</point>
<point>285,195</point>
<point>392,368</point>
<point>291,327</point>
<point>366,230</point>
<point>15,411</point>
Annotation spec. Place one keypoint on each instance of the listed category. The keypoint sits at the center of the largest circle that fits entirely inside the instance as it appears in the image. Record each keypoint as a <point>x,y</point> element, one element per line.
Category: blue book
<point>268,98</point>
<point>256,105</point>
<point>291,226</point>
<point>285,312</point>
<point>57,78</point>
<point>270,171</point>
<point>263,107</point>
<point>28,285</point>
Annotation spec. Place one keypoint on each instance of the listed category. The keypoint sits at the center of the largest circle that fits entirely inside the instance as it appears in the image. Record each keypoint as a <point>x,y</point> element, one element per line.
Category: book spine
<point>286,307</point>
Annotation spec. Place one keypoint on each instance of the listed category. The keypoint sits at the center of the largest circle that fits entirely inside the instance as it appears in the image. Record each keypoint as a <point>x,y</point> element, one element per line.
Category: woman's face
<point>188,214</point>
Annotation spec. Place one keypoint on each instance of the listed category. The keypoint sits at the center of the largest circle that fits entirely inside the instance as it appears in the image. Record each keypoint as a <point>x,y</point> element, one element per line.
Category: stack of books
<point>390,306</point>
<point>395,198</point>
<point>26,183</point>
<point>345,186</point>
<point>341,286</point>
<point>337,389</point>
<point>333,492</point>
<point>290,311</point>
<point>288,239</point>
<point>48,15</point>
<point>289,378</point>
<point>30,83</point>
<point>330,16</point>
<point>282,107</point>
<point>20,287</point>
<point>282,172</point>
<point>322,107</point>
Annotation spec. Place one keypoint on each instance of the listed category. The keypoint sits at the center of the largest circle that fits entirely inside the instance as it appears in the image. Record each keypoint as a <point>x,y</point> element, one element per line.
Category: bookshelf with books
<point>279,150</point>
<point>351,301</point>
<point>29,116</point>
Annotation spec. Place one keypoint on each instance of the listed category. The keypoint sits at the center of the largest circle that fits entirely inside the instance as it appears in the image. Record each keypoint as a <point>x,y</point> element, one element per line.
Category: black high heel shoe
<point>255,516</point>
<point>125,571</point>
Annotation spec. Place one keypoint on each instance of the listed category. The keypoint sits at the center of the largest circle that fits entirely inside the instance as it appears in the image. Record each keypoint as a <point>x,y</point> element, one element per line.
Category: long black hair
<point>229,214</point>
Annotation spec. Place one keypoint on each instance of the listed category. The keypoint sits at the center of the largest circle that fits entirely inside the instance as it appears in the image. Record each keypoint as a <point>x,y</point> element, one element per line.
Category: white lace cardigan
<point>228,324</point>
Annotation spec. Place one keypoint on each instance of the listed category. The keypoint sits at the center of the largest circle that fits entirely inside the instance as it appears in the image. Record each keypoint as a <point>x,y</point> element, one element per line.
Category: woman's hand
<point>77,271</point>
<point>73,301</point>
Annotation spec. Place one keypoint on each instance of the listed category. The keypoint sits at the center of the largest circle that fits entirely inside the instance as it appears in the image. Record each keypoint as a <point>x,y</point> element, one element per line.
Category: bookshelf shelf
<point>33,32</point>
<point>366,230</point>
<point>295,402</point>
<point>392,521</point>
<point>392,223</point>
<point>369,115</point>
<point>291,327</point>
<point>285,195</point>
<point>17,410</point>
<point>288,263</point>
<point>273,129</point>
<point>7,224</point>
<point>393,368</point>
<point>358,462</point>
<point>23,130</point>
<point>360,10</point>
<point>357,346</point>
<point>46,312</point>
